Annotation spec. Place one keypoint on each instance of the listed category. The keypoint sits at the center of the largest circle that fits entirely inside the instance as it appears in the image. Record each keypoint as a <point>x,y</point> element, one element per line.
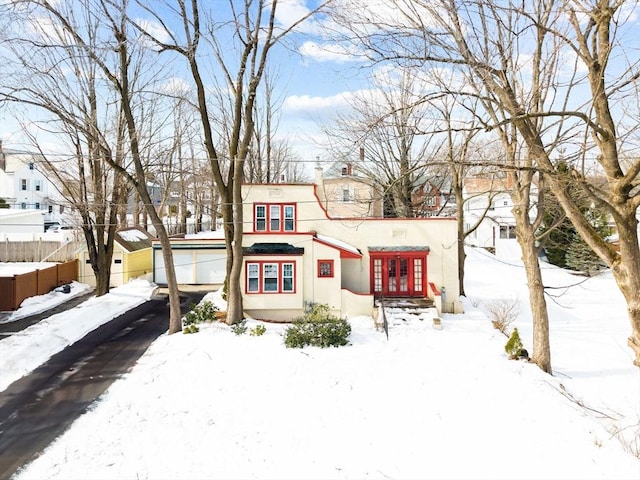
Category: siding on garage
<point>194,263</point>
<point>136,264</point>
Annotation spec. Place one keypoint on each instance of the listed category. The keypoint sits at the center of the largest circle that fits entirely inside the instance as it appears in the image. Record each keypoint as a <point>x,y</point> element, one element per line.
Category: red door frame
<point>384,269</point>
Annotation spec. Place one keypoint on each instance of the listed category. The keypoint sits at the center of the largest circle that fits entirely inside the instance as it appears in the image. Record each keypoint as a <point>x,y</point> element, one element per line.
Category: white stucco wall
<point>439,234</point>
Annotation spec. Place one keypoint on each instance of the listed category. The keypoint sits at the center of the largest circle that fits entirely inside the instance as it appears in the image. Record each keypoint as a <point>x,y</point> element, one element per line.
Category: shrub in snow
<point>503,313</point>
<point>240,328</point>
<point>514,345</point>
<point>199,313</point>
<point>317,328</point>
<point>257,331</point>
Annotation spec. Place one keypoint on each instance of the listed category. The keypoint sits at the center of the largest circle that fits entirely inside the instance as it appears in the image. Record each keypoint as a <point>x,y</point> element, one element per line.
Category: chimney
<point>318,176</point>
<point>362,154</point>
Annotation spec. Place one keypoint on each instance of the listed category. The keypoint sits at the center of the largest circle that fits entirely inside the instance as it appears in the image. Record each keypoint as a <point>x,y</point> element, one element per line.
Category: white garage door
<point>192,267</point>
<point>211,266</point>
<point>183,263</point>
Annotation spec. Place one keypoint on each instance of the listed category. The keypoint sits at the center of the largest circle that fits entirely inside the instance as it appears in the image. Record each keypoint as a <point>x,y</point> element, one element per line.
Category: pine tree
<point>579,255</point>
<point>581,258</point>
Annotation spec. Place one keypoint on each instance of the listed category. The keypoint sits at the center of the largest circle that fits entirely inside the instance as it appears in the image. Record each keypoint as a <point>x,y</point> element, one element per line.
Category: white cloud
<point>328,52</point>
<point>308,103</point>
<point>300,103</point>
<point>176,86</point>
<point>289,12</point>
<point>154,30</point>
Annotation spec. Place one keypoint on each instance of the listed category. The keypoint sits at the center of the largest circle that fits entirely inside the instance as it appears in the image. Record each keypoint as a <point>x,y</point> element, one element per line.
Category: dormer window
<point>274,218</point>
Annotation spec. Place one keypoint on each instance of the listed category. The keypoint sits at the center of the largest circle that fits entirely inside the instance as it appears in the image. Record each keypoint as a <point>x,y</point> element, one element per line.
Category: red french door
<point>399,274</point>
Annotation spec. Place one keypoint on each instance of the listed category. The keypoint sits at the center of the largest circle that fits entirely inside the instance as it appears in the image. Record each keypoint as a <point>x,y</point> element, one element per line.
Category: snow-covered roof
<point>339,244</point>
<point>134,238</point>
<point>211,234</point>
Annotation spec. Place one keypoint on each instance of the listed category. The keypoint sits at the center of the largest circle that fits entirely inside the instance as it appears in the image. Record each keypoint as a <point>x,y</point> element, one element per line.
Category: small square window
<point>325,268</point>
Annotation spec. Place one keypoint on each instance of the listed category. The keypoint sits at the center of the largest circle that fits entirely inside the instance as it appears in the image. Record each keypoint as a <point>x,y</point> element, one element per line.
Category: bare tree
<point>241,45</point>
<point>66,87</point>
<point>527,60</point>
<point>118,60</point>
<point>387,123</point>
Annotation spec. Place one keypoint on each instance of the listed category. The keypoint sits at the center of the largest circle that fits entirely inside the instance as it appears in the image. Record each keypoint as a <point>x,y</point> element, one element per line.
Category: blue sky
<point>316,77</point>
<point>313,81</point>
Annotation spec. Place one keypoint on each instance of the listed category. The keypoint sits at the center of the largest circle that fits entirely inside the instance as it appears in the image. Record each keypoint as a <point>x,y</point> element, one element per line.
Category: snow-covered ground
<point>425,403</point>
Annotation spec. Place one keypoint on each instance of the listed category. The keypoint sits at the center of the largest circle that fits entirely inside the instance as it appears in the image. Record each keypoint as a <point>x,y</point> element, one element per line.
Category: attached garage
<point>196,262</point>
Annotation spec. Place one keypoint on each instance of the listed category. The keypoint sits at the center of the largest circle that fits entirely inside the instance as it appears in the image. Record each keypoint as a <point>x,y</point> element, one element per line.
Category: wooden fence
<point>38,251</point>
<point>13,290</point>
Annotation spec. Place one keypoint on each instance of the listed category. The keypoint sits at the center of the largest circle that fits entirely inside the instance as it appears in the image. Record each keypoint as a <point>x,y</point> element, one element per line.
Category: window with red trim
<point>274,217</point>
<point>325,268</point>
<point>270,277</point>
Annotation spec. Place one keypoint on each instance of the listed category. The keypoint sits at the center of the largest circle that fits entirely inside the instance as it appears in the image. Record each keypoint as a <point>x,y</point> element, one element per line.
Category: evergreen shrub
<point>318,328</point>
<point>199,313</point>
<point>514,345</point>
<point>257,331</point>
<point>240,328</point>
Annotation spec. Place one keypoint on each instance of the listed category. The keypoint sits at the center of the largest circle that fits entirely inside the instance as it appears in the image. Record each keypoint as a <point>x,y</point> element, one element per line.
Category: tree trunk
<point>235,313</point>
<point>462,256</point>
<point>626,272</point>
<point>541,349</point>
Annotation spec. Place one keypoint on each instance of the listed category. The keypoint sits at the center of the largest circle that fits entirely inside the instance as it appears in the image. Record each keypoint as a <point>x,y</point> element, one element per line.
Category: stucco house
<point>132,258</point>
<point>296,254</point>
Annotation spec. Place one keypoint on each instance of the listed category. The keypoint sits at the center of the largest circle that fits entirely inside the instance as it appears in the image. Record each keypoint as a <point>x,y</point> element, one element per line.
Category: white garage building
<point>196,261</point>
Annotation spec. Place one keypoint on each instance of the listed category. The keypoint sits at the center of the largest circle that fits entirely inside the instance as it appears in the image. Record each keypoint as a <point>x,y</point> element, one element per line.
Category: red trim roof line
<point>344,253</point>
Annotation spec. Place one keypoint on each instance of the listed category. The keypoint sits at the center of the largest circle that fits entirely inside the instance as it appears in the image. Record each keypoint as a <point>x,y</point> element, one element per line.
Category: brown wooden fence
<point>38,251</point>
<point>13,290</point>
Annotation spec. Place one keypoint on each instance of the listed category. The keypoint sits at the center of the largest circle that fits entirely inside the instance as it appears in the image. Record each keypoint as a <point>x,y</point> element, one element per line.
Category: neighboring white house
<point>25,186</point>
<point>20,225</point>
<point>497,230</point>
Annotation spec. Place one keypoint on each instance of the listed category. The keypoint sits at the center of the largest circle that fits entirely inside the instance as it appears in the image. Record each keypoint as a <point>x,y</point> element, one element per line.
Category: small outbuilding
<point>132,258</point>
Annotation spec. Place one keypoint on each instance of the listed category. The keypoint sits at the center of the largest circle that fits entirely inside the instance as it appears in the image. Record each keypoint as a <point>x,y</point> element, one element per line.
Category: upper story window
<point>24,184</point>
<point>37,185</point>
<point>274,217</point>
<point>346,194</point>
